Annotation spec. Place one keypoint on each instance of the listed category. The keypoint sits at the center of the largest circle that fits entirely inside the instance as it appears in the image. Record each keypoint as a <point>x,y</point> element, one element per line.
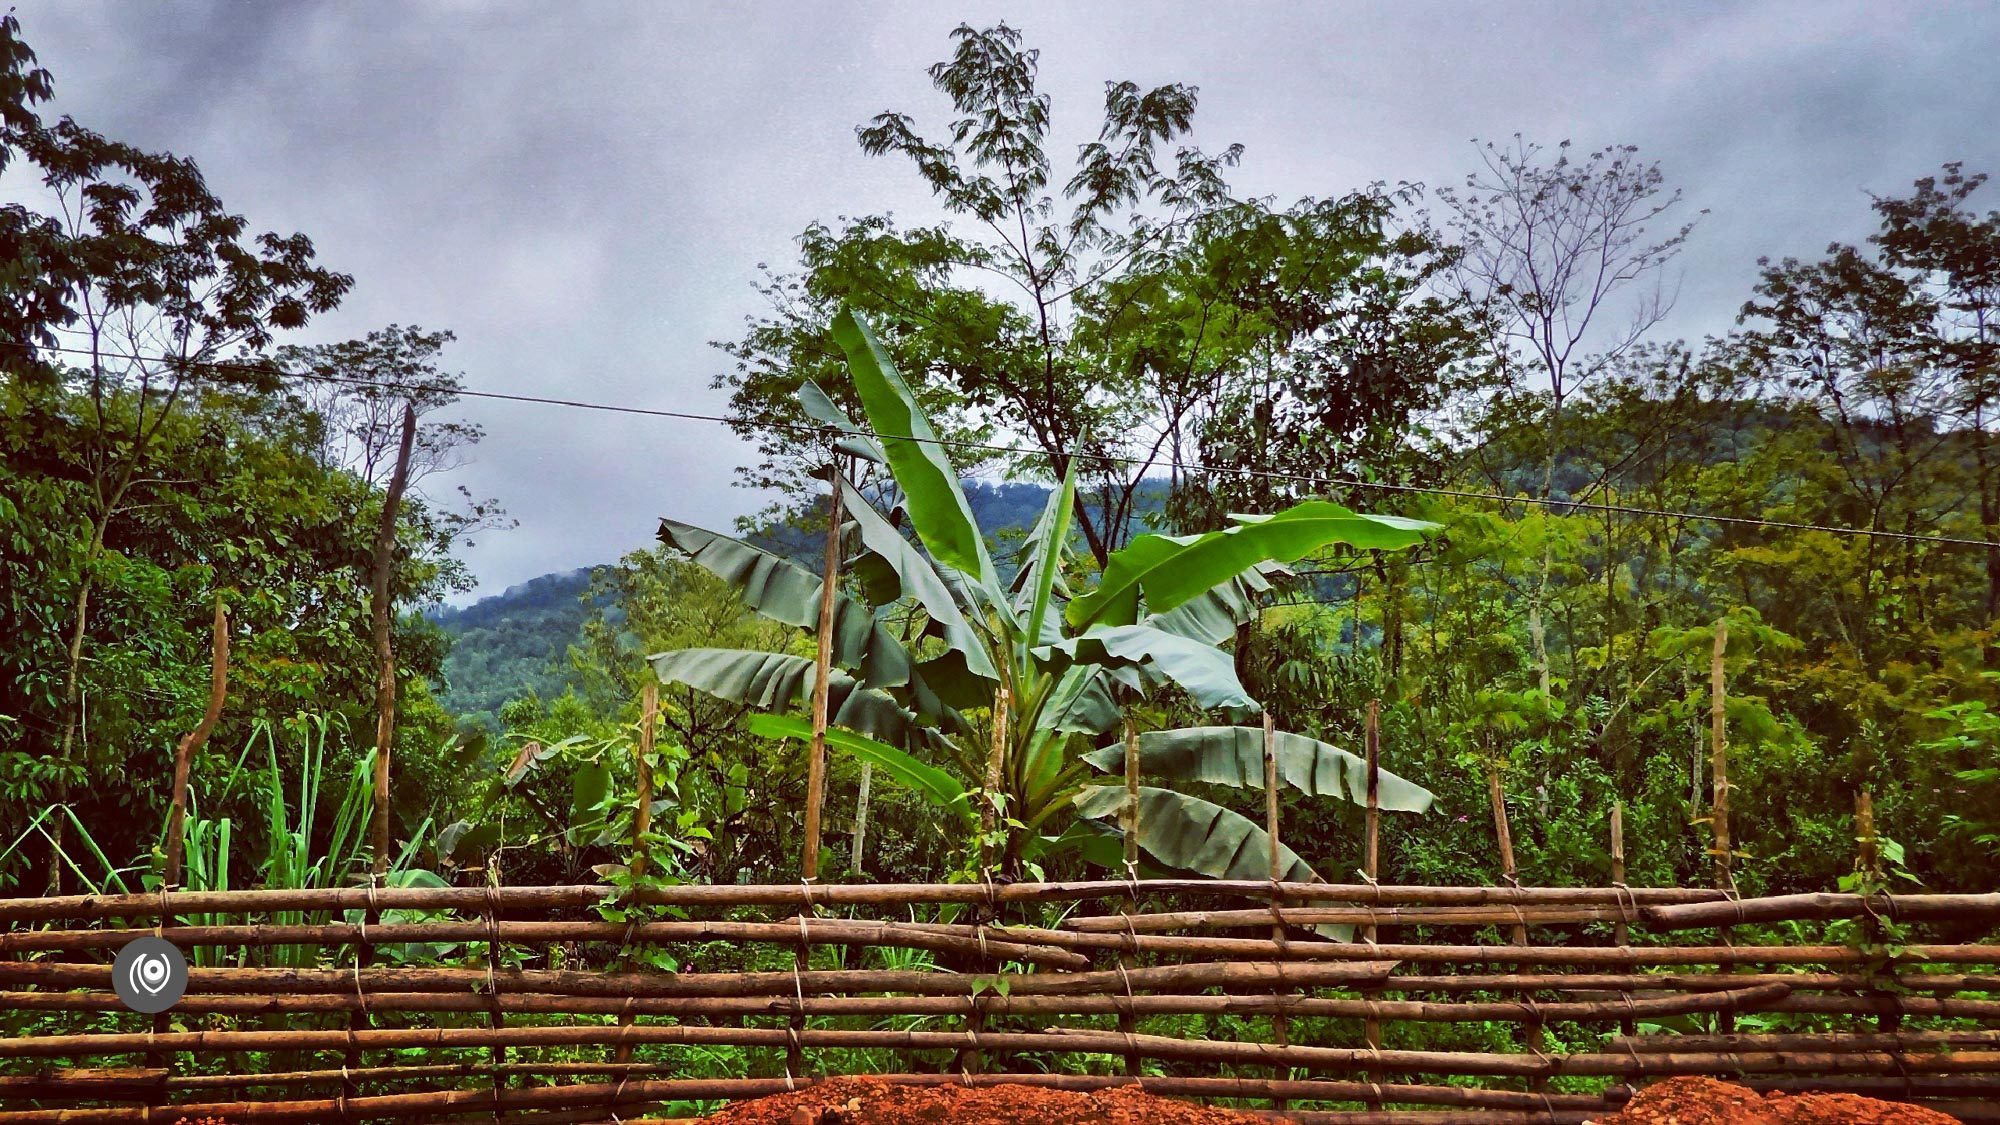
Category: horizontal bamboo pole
<point>821,931</point>
<point>1292,1116</point>
<point>1838,1042</point>
<point>1820,907</point>
<point>1947,1086</point>
<point>1353,916</point>
<point>278,982</point>
<point>428,1105</point>
<point>735,1089</point>
<point>481,899</point>
<point>1612,983</point>
<point>1756,998</point>
<point>1056,1039</point>
<point>1621,955</point>
<point>1922,1006</point>
<point>106,1083</point>
<point>1481,1063</point>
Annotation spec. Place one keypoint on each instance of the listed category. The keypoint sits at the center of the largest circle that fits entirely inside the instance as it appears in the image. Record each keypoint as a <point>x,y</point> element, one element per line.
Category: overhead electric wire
<point>1022,451</point>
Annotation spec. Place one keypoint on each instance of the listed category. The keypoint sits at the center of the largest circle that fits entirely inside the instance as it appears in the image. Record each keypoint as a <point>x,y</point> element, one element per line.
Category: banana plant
<point>1023,664</point>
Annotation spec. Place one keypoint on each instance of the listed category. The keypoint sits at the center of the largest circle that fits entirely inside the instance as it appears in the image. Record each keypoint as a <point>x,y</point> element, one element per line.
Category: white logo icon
<point>149,975</point>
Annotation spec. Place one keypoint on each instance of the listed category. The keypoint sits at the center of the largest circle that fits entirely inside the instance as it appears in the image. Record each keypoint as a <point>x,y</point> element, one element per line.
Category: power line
<point>1020,451</point>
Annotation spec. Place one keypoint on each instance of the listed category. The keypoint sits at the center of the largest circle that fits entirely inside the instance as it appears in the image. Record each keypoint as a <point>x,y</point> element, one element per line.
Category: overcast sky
<point>583,192</point>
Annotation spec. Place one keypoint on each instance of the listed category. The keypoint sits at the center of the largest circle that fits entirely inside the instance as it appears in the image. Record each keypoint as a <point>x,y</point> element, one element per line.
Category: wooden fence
<point>1485,1004</point>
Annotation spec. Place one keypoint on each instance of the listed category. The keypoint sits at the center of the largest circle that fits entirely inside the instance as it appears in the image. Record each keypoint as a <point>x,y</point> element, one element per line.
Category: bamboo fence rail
<point>556,1019</point>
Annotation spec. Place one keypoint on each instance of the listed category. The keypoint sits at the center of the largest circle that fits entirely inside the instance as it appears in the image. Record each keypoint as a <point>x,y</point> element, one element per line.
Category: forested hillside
<point>516,644</point>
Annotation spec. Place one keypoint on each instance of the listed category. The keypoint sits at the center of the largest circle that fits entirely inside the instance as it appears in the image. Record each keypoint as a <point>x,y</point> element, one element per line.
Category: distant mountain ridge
<point>517,641</point>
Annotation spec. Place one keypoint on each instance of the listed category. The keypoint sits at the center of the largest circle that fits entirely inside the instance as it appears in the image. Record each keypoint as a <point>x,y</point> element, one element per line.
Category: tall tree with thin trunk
<point>1551,248</point>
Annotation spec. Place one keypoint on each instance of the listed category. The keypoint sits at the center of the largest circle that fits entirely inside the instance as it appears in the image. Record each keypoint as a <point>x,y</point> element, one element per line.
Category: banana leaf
<point>773,681</point>
<point>1213,616</point>
<point>854,440</point>
<point>1080,702</point>
<point>915,578</point>
<point>1167,572</point>
<point>1234,756</point>
<point>1207,673</point>
<point>937,506</point>
<point>788,593</point>
<point>1191,834</point>
<point>1043,559</point>
<point>939,787</point>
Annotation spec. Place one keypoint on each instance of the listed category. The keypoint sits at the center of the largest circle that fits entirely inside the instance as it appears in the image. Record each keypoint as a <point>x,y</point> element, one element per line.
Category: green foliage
<point>1042,688</point>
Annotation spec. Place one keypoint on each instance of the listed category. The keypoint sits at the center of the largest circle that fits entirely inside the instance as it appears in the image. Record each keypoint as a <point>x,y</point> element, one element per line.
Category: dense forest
<point>1795,519</point>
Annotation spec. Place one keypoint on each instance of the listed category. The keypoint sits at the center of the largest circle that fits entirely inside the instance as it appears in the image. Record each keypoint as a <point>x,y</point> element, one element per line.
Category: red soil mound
<point>1705,1101</point>
<point>866,1101</point>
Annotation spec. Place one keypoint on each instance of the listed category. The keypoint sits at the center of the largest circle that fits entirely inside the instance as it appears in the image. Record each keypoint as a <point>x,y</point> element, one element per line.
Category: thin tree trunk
<point>861,818</point>
<point>385,652</point>
<point>829,591</point>
<point>218,685</point>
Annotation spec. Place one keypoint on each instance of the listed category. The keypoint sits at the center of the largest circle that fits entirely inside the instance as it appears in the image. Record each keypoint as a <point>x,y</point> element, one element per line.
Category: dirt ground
<point>863,1101</point>
<point>1705,1101</point>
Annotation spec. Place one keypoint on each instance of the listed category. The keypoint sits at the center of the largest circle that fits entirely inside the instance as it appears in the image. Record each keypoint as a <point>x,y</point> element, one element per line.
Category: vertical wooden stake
<point>1128,823</point>
<point>218,686</point>
<point>190,745</point>
<point>642,814</point>
<point>1719,759</point>
<point>1870,867</point>
<point>971,1060</point>
<point>829,589</point>
<point>1508,873</point>
<point>1620,932</point>
<point>1280,1023</point>
<point>1870,844</point>
<point>1718,813</point>
<point>1536,1035</point>
<point>996,764</point>
<point>1371,1027</point>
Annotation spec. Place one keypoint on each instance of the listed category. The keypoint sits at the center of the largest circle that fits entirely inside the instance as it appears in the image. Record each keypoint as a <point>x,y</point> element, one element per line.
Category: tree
<point>1047,669</point>
<point>1545,247</point>
<point>1316,323</point>
<point>369,395</point>
<point>1019,363</point>
<point>1954,255</point>
<point>146,274</point>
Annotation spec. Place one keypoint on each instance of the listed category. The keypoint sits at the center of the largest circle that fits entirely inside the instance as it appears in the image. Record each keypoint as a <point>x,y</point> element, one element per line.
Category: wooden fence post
<point>971,1059</point>
<point>829,591</point>
<point>1719,758</point>
<point>1371,1027</point>
<point>1128,819</point>
<point>1532,1028</point>
<point>1620,931</point>
<point>822,676</point>
<point>642,813</point>
<point>1718,813</point>
<point>190,745</point>
<point>1280,1023</point>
